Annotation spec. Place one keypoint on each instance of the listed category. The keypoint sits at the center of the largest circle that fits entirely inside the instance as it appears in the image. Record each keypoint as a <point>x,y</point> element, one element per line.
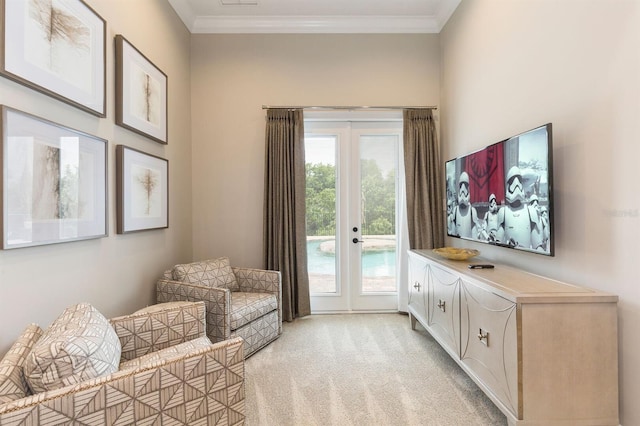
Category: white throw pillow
<point>79,345</point>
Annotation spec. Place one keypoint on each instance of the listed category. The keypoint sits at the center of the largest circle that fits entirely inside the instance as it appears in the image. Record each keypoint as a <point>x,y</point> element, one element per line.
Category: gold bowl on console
<point>455,253</point>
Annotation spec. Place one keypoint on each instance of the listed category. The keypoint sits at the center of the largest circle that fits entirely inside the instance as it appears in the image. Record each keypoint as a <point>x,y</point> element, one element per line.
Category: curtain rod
<point>317,108</point>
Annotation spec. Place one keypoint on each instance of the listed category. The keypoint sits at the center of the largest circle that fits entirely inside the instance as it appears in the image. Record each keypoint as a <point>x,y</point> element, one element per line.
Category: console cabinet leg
<point>413,321</point>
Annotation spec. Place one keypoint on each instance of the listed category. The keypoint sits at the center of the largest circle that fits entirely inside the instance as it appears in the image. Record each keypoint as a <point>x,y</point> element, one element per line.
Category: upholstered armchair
<point>155,366</point>
<point>241,302</point>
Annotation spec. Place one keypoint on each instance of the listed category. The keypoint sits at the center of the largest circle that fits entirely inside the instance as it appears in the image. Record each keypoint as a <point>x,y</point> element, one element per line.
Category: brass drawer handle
<point>483,337</point>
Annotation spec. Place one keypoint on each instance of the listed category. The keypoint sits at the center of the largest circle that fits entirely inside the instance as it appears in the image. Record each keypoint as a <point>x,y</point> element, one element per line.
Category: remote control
<point>480,266</point>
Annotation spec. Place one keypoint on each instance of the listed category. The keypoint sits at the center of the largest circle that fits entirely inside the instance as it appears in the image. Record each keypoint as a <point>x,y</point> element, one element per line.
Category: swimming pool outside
<point>378,264</point>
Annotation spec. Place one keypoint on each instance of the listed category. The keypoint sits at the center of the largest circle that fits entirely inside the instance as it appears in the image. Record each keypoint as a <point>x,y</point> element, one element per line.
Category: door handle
<point>483,336</point>
<point>356,241</point>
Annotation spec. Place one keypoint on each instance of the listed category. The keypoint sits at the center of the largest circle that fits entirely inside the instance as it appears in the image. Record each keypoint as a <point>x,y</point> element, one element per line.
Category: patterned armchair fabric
<point>253,311</point>
<point>13,383</point>
<point>157,327</point>
<point>170,373</point>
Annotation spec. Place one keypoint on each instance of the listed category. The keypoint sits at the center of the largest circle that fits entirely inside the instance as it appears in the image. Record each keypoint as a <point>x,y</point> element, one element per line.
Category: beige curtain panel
<point>285,247</point>
<point>423,175</point>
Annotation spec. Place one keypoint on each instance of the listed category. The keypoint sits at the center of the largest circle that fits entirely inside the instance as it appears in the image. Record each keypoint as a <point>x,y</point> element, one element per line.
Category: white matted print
<point>141,93</point>
<point>58,48</point>
<point>143,194</point>
<point>54,182</point>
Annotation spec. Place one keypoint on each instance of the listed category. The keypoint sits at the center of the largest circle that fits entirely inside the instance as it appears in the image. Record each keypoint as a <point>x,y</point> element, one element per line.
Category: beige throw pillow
<point>79,345</point>
<point>212,273</point>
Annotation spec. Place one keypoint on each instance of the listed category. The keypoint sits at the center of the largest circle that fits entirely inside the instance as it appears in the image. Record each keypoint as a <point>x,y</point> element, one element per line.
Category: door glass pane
<point>378,169</point>
<point>320,157</point>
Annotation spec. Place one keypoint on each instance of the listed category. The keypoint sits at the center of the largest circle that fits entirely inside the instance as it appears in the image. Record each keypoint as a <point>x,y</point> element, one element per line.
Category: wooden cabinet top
<point>517,285</point>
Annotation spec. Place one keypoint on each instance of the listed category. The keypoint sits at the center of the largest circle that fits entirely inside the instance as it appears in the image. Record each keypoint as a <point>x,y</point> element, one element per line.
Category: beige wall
<point>498,68</point>
<point>234,75</point>
<point>509,66</point>
<point>115,273</point>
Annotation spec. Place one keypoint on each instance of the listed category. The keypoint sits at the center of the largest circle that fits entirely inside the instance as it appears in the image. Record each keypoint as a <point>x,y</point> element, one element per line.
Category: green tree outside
<point>378,199</point>
<point>321,199</point>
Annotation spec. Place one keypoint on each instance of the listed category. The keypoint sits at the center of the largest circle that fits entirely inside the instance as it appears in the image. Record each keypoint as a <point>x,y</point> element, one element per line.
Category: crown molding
<point>444,13</point>
<point>313,24</point>
<point>184,11</point>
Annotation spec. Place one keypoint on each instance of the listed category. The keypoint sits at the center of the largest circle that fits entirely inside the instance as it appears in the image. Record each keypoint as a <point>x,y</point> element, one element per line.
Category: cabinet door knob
<point>442,305</point>
<point>416,285</point>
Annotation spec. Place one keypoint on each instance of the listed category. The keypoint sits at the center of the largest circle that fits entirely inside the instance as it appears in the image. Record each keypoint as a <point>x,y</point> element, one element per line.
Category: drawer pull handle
<point>483,337</point>
<point>416,285</point>
<point>442,305</point>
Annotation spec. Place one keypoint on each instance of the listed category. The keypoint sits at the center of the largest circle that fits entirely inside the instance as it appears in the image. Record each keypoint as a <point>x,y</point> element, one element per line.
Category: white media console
<point>545,352</point>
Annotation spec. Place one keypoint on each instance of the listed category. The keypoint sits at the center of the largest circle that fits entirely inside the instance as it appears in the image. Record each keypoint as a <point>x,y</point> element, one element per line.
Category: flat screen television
<point>502,194</point>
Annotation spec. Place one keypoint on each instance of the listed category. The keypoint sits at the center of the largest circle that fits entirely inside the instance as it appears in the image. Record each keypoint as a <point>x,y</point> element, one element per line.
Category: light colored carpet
<point>361,369</point>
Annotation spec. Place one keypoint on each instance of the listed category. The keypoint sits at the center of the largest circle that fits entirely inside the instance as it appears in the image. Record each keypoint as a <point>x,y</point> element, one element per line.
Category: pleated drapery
<point>423,171</point>
<point>285,248</point>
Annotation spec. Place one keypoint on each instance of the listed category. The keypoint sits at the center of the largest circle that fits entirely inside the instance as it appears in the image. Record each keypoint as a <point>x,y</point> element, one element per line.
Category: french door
<point>351,199</point>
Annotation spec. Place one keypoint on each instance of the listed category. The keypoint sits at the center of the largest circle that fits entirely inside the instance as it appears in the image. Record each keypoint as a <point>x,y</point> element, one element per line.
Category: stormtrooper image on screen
<point>519,224</point>
<point>543,220</point>
<point>491,218</point>
<point>465,216</point>
<point>451,224</point>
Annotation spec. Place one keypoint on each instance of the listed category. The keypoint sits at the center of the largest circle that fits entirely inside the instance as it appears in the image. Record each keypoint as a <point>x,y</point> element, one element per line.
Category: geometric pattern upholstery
<point>162,307</point>
<point>157,327</point>
<point>79,345</point>
<point>259,331</point>
<point>12,381</point>
<point>213,273</point>
<point>197,383</point>
<point>217,302</point>
<point>262,326</point>
<point>246,307</point>
<point>167,353</point>
<point>204,387</point>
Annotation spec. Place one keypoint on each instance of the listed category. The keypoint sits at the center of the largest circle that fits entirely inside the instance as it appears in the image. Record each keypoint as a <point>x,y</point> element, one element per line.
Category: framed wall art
<point>57,47</point>
<point>54,182</point>
<point>142,186</point>
<point>141,93</point>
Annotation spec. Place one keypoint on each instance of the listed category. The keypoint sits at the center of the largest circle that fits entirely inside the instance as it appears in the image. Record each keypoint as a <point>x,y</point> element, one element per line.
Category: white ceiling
<point>315,16</point>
